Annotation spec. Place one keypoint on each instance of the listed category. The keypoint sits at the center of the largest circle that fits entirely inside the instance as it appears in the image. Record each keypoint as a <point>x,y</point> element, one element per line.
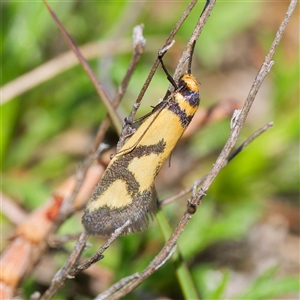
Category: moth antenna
<point>194,42</point>
<point>205,7</point>
<point>189,70</point>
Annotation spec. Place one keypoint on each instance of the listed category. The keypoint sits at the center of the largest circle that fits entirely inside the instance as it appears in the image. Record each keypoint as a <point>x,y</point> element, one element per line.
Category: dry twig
<point>198,182</point>
<point>171,36</point>
<point>30,238</point>
<point>69,270</point>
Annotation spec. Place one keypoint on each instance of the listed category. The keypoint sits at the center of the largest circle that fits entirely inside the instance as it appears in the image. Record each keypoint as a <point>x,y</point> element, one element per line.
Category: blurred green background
<point>254,195</point>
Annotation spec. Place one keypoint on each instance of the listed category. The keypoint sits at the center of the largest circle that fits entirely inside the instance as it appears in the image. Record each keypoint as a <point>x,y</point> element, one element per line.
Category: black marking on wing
<point>105,220</point>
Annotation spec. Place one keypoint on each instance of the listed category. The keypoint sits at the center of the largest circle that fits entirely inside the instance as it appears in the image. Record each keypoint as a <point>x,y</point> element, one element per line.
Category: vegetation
<point>235,246</point>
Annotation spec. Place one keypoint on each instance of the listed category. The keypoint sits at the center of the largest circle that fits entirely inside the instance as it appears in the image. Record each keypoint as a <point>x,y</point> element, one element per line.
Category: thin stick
<point>62,275</point>
<point>55,241</point>
<point>194,37</point>
<point>67,208</point>
<point>156,63</point>
<point>68,271</point>
<point>236,130</point>
<point>124,281</point>
<point>139,43</point>
<point>98,255</point>
<point>59,64</point>
<point>156,262</point>
<point>97,84</point>
<point>180,194</point>
<point>251,138</point>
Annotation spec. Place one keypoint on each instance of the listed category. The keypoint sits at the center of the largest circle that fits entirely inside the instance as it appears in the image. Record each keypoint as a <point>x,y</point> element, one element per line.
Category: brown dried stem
<point>69,270</point>
<point>197,183</point>
<point>95,81</point>
<point>124,281</point>
<point>156,63</point>
<point>62,275</point>
<point>98,255</point>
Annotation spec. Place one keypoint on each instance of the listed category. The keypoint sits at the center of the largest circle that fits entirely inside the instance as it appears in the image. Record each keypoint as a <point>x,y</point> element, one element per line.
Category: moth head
<point>190,82</point>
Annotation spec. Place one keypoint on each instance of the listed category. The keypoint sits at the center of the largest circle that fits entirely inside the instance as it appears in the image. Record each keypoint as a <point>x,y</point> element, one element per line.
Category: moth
<point>126,190</point>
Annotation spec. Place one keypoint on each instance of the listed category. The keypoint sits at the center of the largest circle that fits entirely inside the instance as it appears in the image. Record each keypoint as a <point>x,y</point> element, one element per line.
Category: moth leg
<point>169,77</point>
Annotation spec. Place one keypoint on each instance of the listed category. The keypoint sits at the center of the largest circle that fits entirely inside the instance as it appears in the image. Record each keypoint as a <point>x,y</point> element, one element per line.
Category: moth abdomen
<point>105,220</point>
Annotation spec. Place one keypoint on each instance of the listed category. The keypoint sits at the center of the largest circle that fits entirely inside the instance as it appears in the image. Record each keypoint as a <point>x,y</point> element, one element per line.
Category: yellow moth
<point>126,190</point>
